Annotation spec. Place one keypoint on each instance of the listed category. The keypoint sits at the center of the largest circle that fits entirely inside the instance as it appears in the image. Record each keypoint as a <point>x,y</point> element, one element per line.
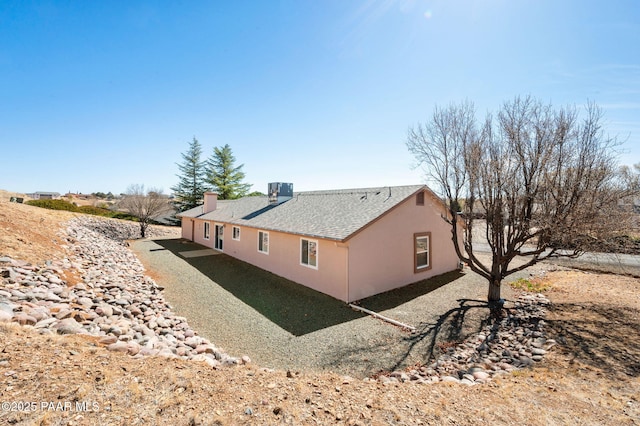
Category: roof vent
<point>279,192</point>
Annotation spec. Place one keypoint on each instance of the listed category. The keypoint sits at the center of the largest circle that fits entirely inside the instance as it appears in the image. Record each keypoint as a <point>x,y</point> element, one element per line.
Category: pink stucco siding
<point>198,231</point>
<point>381,257</point>
<point>187,228</point>
<point>283,259</point>
<point>378,258</point>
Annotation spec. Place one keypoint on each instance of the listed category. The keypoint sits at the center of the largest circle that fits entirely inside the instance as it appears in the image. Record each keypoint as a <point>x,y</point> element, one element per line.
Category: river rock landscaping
<point>115,301</point>
<point>514,341</point>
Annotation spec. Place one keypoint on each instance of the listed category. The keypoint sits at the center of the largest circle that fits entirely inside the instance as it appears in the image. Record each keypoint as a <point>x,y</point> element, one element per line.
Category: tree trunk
<point>494,290</point>
<point>495,302</point>
<point>143,229</point>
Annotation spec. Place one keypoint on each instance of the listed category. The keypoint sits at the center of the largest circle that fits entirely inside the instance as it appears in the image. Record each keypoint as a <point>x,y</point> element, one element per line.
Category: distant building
<point>42,195</point>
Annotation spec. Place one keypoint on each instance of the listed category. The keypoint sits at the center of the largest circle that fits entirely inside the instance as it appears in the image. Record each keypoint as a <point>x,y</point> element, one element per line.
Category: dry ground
<point>591,377</point>
<point>28,232</point>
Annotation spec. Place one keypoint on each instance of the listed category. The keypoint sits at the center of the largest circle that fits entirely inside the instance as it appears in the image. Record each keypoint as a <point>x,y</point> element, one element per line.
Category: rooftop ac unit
<point>279,192</point>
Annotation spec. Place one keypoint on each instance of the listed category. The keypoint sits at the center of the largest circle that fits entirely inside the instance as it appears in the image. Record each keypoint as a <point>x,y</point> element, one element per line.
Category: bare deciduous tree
<point>538,182</point>
<point>146,206</point>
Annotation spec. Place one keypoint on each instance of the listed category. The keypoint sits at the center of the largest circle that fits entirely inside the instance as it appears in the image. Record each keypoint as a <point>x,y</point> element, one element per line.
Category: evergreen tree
<point>192,184</point>
<point>224,177</point>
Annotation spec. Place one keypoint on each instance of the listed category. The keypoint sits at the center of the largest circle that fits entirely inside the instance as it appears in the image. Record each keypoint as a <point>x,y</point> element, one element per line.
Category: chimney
<point>279,192</point>
<point>210,201</point>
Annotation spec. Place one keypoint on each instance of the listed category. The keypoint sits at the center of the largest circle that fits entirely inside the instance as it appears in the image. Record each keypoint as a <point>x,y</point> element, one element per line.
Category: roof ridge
<point>356,190</point>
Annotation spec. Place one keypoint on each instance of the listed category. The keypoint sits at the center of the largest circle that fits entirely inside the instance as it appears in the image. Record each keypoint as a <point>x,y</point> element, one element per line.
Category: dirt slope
<point>30,233</point>
<point>591,377</point>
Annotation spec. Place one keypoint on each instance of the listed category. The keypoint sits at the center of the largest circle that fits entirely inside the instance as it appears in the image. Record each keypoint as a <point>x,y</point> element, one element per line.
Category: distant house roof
<point>43,194</point>
<point>334,214</point>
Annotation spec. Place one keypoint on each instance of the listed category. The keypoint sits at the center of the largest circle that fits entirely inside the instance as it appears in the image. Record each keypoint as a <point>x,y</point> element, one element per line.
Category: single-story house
<point>42,195</point>
<point>349,243</point>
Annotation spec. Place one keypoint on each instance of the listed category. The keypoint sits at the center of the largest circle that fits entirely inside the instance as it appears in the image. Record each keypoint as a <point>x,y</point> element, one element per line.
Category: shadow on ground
<point>293,307</point>
<point>393,298</point>
<point>451,327</point>
<point>431,339</point>
<point>605,337</point>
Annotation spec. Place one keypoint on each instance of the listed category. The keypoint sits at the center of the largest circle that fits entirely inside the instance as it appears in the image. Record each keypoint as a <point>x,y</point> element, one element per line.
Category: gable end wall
<point>381,257</point>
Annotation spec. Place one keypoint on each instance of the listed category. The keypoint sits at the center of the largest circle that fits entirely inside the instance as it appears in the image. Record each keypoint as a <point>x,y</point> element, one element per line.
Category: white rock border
<point>115,301</point>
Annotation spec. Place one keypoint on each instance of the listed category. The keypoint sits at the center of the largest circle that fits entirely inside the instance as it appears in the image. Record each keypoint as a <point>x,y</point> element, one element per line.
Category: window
<point>219,237</point>
<point>420,198</point>
<point>236,233</point>
<point>263,242</point>
<point>206,230</point>
<point>309,253</point>
<point>422,251</point>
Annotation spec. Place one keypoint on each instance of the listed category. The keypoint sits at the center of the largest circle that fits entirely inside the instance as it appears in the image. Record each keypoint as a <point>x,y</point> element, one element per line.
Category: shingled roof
<point>334,214</point>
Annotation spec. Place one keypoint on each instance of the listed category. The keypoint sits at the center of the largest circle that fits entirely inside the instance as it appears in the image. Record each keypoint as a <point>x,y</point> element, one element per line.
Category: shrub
<point>53,205</point>
<point>94,210</point>
<point>536,285</point>
<point>125,216</point>
<point>98,211</point>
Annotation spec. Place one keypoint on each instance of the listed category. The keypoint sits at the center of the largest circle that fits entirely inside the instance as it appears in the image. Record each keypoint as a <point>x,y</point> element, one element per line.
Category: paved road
<point>607,262</point>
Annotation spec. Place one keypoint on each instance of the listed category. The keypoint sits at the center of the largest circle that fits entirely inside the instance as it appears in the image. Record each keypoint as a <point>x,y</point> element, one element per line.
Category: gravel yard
<point>277,323</point>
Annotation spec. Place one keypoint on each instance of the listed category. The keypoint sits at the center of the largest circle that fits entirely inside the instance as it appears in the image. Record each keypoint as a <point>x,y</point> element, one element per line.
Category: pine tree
<point>224,177</point>
<point>192,184</point>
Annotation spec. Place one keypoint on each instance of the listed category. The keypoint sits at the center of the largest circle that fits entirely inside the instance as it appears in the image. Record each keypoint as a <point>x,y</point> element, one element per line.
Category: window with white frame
<point>207,231</point>
<point>263,242</point>
<point>422,251</point>
<point>309,253</point>
<point>236,233</point>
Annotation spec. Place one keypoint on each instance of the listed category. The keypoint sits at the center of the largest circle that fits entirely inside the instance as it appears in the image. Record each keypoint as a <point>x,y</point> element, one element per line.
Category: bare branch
<point>542,179</point>
<point>146,206</point>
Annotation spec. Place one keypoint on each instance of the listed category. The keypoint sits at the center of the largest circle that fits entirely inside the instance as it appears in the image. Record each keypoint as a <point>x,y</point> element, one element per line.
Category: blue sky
<point>98,95</point>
